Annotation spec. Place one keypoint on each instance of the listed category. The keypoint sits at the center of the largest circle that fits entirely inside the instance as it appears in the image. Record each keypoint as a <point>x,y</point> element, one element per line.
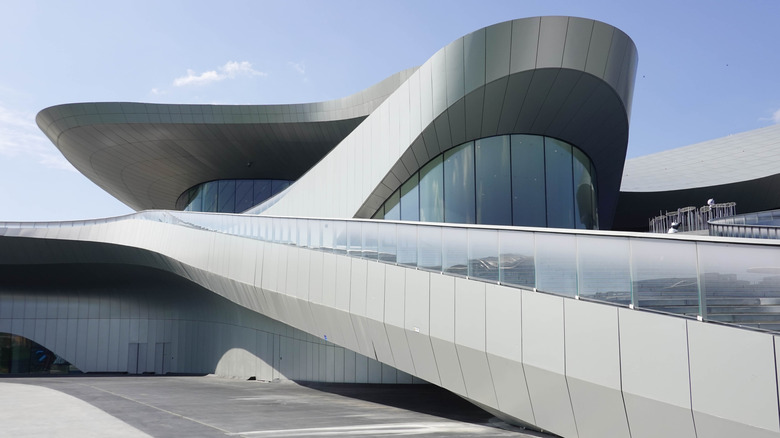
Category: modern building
<point>452,224</point>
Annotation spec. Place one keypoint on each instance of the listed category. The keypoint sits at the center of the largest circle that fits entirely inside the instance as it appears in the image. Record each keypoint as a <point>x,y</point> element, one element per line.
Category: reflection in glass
<point>556,263</point>
<point>410,199</point>
<point>210,190</point>
<point>370,240</point>
<point>664,270</point>
<point>604,269</point>
<point>19,355</point>
<point>429,248</point>
<point>432,191</point>
<point>494,197</point>
<point>393,207</point>
<point>560,192</point>
<point>735,274</point>
<point>528,195</point>
<point>459,204</point>
<point>229,195</point>
<point>387,245</point>
<point>455,251</point>
<point>516,258</point>
<point>483,254</point>
<point>226,197</point>
<point>523,180</point>
<point>585,215</point>
<point>407,245</point>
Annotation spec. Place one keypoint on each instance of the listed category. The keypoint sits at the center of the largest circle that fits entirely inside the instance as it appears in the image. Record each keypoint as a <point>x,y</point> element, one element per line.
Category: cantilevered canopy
<point>146,155</point>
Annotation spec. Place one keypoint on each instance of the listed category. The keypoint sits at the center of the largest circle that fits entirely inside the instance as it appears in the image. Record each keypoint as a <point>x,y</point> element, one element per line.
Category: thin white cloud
<point>776,116</point>
<point>230,70</point>
<point>300,67</point>
<point>20,138</point>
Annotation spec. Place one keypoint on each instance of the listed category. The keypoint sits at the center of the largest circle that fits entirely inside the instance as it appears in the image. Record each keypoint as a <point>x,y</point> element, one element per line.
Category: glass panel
<point>595,201</point>
<point>407,245</point>
<point>432,191</point>
<point>380,214</point>
<point>244,197</point>
<point>340,236</point>
<point>483,254</point>
<point>278,185</point>
<point>516,258</point>
<point>197,201</point>
<point>387,247</point>
<point>277,229</point>
<point>303,233</point>
<point>429,248</point>
<point>410,199</point>
<point>227,196</point>
<point>528,196</point>
<point>393,207</point>
<point>354,238</point>
<point>455,245</point>
<point>494,195</point>
<point>370,240</point>
<point>19,355</point>
<point>262,191</point>
<point>584,210</point>
<point>604,269</point>
<point>736,279</point>
<point>315,234</point>
<point>665,276</point>
<point>210,190</point>
<point>556,263</point>
<point>326,227</point>
<point>459,204</point>
<point>560,191</point>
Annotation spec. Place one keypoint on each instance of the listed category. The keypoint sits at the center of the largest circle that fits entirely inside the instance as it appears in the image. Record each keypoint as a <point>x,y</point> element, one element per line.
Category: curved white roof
<point>739,157</point>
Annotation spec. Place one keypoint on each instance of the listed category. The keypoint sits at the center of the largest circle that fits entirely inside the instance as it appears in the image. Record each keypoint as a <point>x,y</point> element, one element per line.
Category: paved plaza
<point>194,406</point>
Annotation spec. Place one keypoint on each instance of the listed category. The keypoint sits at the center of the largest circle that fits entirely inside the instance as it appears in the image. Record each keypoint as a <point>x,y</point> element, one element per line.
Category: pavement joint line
<point>227,432</point>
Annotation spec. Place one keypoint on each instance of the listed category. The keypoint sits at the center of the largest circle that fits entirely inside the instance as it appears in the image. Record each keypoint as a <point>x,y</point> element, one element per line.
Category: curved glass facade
<point>229,195</point>
<point>19,355</point>
<point>524,180</point>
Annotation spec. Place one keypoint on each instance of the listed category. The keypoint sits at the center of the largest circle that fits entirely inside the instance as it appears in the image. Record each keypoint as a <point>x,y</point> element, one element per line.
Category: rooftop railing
<point>713,279</point>
<point>760,225</point>
<point>692,218</point>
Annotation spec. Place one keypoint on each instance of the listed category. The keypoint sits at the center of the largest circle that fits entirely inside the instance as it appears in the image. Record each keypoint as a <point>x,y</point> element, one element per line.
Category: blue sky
<point>706,69</point>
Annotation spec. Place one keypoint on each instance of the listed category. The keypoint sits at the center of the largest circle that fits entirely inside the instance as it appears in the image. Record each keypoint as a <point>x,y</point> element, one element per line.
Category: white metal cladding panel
<point>593,369</point>
<point>270,267</point>
<point>417,301</point>
<point>524,45</point>
<point>365,343</point>
<point>395,285</point>
<point>442,313</point>
<point>358,287</point>
<point>417,305</point>
<point>316,263</point>
<point>414,104</point>
<point>303,269</point>
<point>292,275</point>
<point>733,381</point>
<point>552,38</point>
<point>543,358</point>
<point>329,280</point>
<point>654,369</point>
<point>343,280</point>
<point>503,342</point>
<point>578,36</point>
<point>375,291</point>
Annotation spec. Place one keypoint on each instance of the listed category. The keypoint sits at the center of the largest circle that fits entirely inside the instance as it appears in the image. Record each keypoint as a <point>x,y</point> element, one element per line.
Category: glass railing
<point>713,279</point>
<point>760,225</point>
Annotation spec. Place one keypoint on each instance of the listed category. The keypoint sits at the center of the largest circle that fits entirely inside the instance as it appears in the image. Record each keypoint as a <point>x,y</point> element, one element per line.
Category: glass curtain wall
<point>229,195</point>
<point>523,180</point>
